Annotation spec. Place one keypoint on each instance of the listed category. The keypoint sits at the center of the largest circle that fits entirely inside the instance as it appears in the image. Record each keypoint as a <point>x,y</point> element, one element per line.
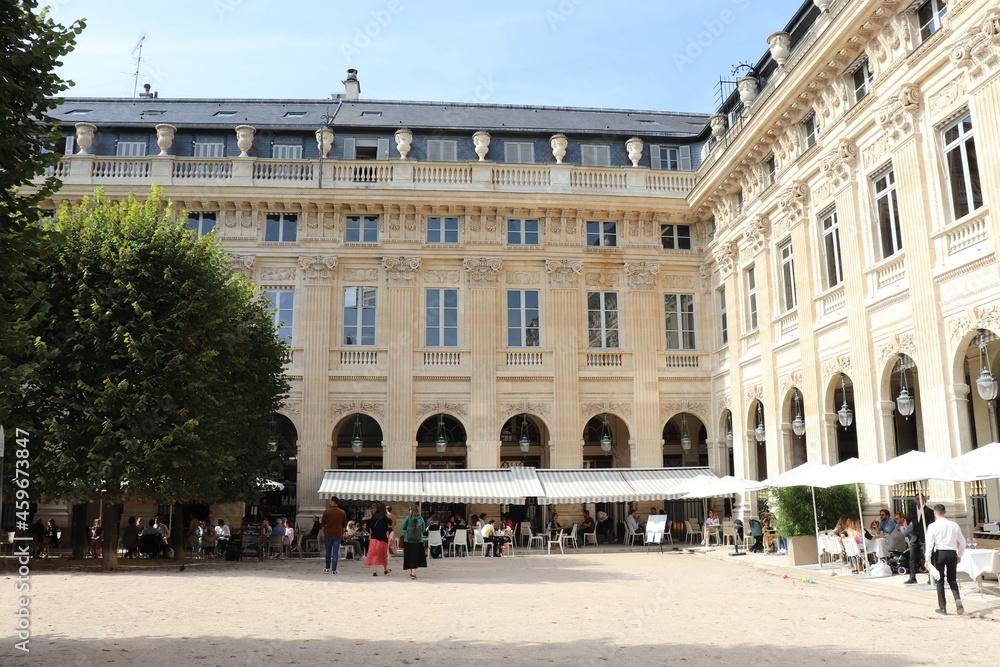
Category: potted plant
<point>793,516</point>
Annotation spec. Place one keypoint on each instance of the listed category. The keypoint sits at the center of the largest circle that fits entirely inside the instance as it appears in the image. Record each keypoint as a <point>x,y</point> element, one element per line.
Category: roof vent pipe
<point>352,86</point>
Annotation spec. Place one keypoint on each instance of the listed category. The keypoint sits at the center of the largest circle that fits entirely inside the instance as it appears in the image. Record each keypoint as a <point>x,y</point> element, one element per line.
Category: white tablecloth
<point>974,563</point>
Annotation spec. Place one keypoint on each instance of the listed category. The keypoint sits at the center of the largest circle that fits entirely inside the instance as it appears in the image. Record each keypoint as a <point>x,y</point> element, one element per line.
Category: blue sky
<point>636,54</point>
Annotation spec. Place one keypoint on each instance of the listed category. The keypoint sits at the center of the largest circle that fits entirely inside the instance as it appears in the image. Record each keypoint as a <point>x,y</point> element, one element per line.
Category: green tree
<point>793,512</point>
<point>32,45</point>
<point>158,367</point>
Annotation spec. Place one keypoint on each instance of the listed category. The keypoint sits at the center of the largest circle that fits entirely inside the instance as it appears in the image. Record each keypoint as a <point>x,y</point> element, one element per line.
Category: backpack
<point>414,529</point>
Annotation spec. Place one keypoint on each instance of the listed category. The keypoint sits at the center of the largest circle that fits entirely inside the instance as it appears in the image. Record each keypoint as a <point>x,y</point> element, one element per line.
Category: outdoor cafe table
<point>974,563</point>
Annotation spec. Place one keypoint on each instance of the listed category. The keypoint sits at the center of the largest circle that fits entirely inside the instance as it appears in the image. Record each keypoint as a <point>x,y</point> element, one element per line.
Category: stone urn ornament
<point>244,138</point>
<point>481,140</point>
<point>324,141</point>
<point>404,140</point>
<point>634,148</point>
<point>780,44</point>
<point>718,125</point>
<point>823,5</point>
<point>559,144</point>
<point>165,137</point>
<point>84,137</point>
<point>748,89</point>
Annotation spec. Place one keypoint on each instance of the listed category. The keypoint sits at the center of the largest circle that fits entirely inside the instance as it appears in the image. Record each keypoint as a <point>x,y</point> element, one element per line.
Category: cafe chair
<point>993,572</point>
<point>344,548</point>
<point>631,535</point>
<point>535,537</point>
<point>524,532</point>
<point>459,542</point>
<point>590,537</point>
<point>276,543</point>
<point>693,534</point>
<point>478,541</point>
<point>434,540</point>
<point>556,539</point>
<point>571,538</point>
<point>727,534</point>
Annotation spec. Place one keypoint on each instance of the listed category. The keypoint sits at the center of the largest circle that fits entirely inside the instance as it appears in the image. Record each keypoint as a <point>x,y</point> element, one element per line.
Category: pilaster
<point>399,438</point>
<point>645,307</point>
<point>566,446</point>
<point>483,448</point>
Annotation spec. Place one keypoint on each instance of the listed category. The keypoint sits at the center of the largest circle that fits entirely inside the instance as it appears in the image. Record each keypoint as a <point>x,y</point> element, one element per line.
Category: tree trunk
<point>79,536</point>
<point>112,521</point>
<point>177,535</point>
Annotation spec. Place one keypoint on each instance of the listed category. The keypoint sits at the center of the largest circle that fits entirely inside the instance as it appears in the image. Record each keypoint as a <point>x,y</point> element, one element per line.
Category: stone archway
<point>535,431</point>
<point>674,430</point>
<point>363,428</point>
<point>441,443</point>
<point>595,454</point>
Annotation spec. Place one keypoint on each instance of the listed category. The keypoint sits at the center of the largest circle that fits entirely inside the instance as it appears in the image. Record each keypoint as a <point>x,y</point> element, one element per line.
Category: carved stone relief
<point>400,270</point>
<point>641,275</point>
<point>563,273</point>
<point>317,268</point>
<point>482,271</point>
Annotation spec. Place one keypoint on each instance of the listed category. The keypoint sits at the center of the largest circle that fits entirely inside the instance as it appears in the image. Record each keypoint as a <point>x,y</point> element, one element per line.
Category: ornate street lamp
<point>759,433</point>
<point>904,402</point>
<point>357,444</point>
<point>729,431</point>
<point>986,384</point>
<point>605,435</point>
<point>798,424</point>
<point>844,415</point>
<point>273,439</point>
<point>685,438</point>
<point>524,443</point>
<point>441,444</point>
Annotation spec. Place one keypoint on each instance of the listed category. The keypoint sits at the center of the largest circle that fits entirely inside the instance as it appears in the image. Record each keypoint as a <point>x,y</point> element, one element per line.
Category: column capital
<point>482,271</point>
<point>400,271</point>
<point>318,269</point>
<point>563,273</point>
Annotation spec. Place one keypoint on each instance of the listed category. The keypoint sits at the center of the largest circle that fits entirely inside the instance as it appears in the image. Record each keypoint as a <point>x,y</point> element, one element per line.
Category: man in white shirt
<point>945,546</point>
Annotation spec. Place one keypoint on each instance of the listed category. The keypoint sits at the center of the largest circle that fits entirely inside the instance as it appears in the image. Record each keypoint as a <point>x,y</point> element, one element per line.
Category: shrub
<point>793,508</point>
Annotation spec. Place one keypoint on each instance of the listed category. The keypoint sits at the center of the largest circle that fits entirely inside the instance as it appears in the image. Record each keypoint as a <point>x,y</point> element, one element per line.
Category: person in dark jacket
<point>919,526</point>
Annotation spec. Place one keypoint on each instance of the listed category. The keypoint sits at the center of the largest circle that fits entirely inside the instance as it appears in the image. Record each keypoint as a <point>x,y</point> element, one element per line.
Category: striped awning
<point>660,483</point>
<point>593,485</point>
<point>498,486</point>
<point>396,485</point>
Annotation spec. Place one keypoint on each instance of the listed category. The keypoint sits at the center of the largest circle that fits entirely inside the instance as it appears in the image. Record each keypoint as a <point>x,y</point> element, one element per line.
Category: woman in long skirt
<point>413,541</point>
<point>378,546</point>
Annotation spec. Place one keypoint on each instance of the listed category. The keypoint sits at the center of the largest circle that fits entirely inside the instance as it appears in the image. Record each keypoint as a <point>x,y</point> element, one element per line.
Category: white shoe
<point>326,569</point>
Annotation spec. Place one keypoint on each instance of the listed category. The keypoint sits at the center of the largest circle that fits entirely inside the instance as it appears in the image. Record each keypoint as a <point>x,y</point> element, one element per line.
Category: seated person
<point>278,529</point>
<point>447,535</point>
<point>208,539</point>
<point>351,537</point>
<point>709,527</point>
<point>606,527</point>
<point>588,525</point>
<point>289,534</point>
<point>896,540</point>
<point>883,528</point>
<point>757,532</point>
<point>555,527</point>
<point>432,523</point>
<point>632,521</point>
<point>490,537</point>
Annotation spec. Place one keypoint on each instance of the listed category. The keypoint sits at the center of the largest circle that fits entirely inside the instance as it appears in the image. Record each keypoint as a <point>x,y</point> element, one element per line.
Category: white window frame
<point>442,230</point>
<point>723,316</point>
<point>833,265</point>
<point>860,78</point>
<point>738,202</point>
<point>786,276</point>
<point>441,313</point>
<point>442,150</point>
<point>528,334</point>
<point>670,157</point>
<point>209,149</point>
<point>607,327</point>
<point>968,180</point>
<point>519,152</point>
<point>286,151</point>
<point>364,229</point>
<point>131,149</point>
<point>602,236</point>
<point>810,129</point>
<point>283,229</point>
<point>521,231</point>
<point>926,29</point>
<point>677,236</point>
<point>595,155</point>
<point>198,221</point>
<point>888,194</point>
<point>280,309</point>
<point>750,280</point>
<point>679,321</point>
<point>770,169</point>
<point>360,300</point>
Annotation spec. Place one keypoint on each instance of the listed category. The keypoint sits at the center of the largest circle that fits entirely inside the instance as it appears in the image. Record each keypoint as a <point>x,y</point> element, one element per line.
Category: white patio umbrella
<point>265,484</point>
<point>809,474</point>
<point>981,463</point>
<point>725,486</point>
<point>689,485</point>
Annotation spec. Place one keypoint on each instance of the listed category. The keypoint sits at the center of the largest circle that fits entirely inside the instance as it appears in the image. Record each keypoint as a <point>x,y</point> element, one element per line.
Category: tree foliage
<point>158,368</point>
<point>793,512</point>
<point>32,45</point>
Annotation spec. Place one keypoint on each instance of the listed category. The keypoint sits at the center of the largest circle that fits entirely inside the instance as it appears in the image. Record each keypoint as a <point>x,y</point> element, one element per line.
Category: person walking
<point>945,546</point>
<point>413,541</point>
<point>920,517</point>
<point>378,546</point>
<point>333,521</point>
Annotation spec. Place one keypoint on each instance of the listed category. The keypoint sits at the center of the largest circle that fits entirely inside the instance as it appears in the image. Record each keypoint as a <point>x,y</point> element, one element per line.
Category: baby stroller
<point>899,562</point>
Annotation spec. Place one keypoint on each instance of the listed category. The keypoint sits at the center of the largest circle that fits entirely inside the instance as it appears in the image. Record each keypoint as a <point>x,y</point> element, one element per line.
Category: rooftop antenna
<point>138,62</point>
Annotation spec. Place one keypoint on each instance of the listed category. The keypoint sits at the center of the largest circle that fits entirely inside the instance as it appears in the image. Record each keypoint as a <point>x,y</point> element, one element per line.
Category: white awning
<point>394,485</point>
<point>660,483</point>
<point>497,486</point>
<point>592,485</point>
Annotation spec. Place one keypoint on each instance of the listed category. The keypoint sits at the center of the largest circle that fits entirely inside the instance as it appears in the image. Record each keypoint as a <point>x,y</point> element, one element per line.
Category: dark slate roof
<point>378,115</point>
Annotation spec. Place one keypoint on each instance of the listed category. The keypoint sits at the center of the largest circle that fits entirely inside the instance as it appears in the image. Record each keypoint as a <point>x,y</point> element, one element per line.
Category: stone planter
<point>559,143</point>
<point>634,148</point>
<point>482,142</point>
<point>780,44</point>
<point>823,5</point>
<point>748,89</point>
<point>802,550</point>
<point>165,137</point>
<point>244,138</point>
<point>84,136</point>
<point>718,124</point>
<point>324,141</point>
<point>404,139</point>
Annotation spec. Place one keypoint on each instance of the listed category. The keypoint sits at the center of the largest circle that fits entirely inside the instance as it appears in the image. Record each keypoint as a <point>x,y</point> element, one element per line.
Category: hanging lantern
<point>685,438</point>
<point>524,443</point>
<point>441,444</point>
<point>605,435</point>
<point>904,402</point>
<point>759,433</point>
<point>357,444</point>
<point>844,415</point>
<point>729,438</point>
<point>986,384</point>
<point>798,424</point>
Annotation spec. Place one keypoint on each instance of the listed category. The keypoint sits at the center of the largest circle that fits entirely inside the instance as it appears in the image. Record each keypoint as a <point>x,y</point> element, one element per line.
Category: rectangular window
<point>670,157</point>
<point>679,310</point>
<point>787,259</point>
<point>602,234</point>
<point>519,152</point>
<point>361,229</point>
<point>364,148</point>
<point>442,318</point>
<point>723,316</point>
<point>131,149</point>
<point>738,202</point>
<point>602,320</point>
<point>675,237</point>
<point>359,315</point>
<point>286,152</point>
<point>861,78</point>
<point>522,318</point>
<point>751,282</point>
<point>201,223</point>
<point>522,232</point>
<point>442,230</point>
<point>283,309</point>
<point>442,150</point>
<point>831,248</point>
<point>887,214</point>
<point>209,149</point>
<point>930,16</point>
<point>809,130</point>
<point>281,227</point>
<point>769,169</point>
<point>595,156</point>
<point>963,167</point>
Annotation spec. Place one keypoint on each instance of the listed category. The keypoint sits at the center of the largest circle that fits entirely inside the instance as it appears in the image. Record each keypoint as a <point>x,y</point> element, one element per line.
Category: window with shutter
<point>595,156</point>
<point>131,148</point>
<point>350,148</point>
<point>519,152</point>
<point>209,149</point>
<point>442,150</point>
<point>286,152</point>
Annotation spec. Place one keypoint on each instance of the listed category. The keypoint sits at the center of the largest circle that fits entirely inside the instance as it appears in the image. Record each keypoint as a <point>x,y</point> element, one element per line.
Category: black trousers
<point>916,555</point>
<point>946,562</point>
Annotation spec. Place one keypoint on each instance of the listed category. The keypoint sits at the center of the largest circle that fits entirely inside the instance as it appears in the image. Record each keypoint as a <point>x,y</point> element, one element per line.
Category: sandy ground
<point>585,608</point>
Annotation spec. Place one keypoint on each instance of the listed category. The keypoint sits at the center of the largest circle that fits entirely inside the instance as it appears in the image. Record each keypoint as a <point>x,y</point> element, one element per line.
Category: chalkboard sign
<point>656,526</point>
<point>252,540</point>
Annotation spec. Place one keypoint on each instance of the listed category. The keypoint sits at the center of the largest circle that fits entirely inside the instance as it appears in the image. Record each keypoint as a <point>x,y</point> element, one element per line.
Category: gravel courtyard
<point>587,608</point>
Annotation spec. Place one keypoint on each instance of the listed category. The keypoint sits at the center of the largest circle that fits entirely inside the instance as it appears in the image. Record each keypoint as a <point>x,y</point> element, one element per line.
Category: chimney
<point>146,91</point>
<point>351,85</point>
